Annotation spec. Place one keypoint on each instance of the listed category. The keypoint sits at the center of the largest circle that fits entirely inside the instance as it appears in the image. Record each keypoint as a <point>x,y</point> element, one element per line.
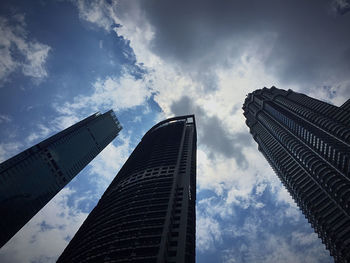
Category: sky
<point>61,61</point>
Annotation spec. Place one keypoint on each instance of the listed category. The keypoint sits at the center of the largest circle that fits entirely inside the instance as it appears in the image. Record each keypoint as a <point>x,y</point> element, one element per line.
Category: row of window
<point>325,123</point>
<point>309,160</point>
<point>322,143</point>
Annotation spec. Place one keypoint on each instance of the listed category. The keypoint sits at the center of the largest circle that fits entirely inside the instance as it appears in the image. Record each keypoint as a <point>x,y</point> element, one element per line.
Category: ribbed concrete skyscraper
<point>30,179</point>
<point>147,214</point>
<point>307,143</point>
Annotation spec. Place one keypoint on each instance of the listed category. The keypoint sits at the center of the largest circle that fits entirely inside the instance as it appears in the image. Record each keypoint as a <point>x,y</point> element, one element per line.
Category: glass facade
<point>307,143</point>
<point>30,179</point>
<point>147,214</point>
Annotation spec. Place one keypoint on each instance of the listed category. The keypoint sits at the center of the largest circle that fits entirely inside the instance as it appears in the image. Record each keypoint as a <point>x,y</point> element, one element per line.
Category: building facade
<point>147,214</point>
<point>30,179</point>
<point>307,143</point>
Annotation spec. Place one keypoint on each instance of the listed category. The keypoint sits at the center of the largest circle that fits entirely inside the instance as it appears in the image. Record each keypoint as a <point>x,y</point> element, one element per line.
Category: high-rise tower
<point>307,143</point>
<point>30,179</point>
<point>147,214</point>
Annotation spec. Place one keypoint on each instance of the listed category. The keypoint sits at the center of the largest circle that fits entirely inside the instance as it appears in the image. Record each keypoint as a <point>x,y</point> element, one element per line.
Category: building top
<point>43,144</point>
<point>189,119</point>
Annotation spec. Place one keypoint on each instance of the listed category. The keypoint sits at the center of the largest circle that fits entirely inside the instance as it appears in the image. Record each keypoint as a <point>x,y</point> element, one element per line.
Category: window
<point>172,253</point>
<point>173,243</point>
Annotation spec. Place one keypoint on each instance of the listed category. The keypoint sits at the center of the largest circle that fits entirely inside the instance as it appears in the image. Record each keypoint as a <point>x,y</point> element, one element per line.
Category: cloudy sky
<point>61,61</point>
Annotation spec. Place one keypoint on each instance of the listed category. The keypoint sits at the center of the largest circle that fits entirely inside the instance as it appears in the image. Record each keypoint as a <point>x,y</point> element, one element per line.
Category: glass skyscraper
<point>307,143</point>
<point>147,214</point>
<point>30,179</point>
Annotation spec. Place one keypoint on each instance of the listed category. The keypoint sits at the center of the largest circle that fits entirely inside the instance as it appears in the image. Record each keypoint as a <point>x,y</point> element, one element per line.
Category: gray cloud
<point>341,6</point>
<point>300,42</point>
<point>213,134</point>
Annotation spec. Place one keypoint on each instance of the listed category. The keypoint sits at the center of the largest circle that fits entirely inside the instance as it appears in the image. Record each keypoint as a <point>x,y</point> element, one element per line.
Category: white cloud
<point>292,211</point>
<point>302,239</point>
<point>105,166</point>
<point>280,250</point>
<point>277,249</point>
<point>222,175</point>
<point>260,245</point>
<point>34,244</point>
<point>66,119</point>
<point>18,52</point>
<point>5,118</point>
<point>208,233</point>
<point>40,133</point>
<point>9,149</point>
<point>97,12</point>
<point>36,55</point>
<point>117,93</point>
<point>214,207</point>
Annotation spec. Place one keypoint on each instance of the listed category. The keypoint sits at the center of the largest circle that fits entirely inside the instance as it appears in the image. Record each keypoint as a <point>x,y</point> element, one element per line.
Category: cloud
<point>255,235</point>
<point>9,149</point>
<point>341,6</point>
<point>19,52</point>
<point>40,133</point>
<point>264,238</point>
<point>274,248</point>
<point>114,92</point>
<point>212,132</point>
<point>97,12</point>
<point>208,232</point>
<point>303,239</point>
<point>5,118</point>
<point>223,175</point>
<point>291,43</point>
<point>192,50</point>
<point>36,55</point>
<point>105,166</point>
<point>55,225</point>
<point>214,207</point>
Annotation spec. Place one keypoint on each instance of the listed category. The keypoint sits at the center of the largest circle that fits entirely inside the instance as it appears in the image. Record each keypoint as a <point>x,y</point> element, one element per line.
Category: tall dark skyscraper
<point>30,179</point>
<point>307,143</point>
<point>147,214</point>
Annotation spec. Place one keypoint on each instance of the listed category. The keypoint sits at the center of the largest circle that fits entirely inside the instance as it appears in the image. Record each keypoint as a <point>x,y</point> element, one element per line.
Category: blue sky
<point>61,61</point>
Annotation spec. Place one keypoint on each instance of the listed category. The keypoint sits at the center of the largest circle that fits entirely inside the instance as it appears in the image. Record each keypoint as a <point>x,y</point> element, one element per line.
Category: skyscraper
<point>30,179</point>
<point>147,214</point>
<point>307,143</point>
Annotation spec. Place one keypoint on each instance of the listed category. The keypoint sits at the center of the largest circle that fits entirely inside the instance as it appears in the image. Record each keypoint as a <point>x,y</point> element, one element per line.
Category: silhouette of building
<point>30,179</point>
<point>147,214</point>
<point>307,143</point>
